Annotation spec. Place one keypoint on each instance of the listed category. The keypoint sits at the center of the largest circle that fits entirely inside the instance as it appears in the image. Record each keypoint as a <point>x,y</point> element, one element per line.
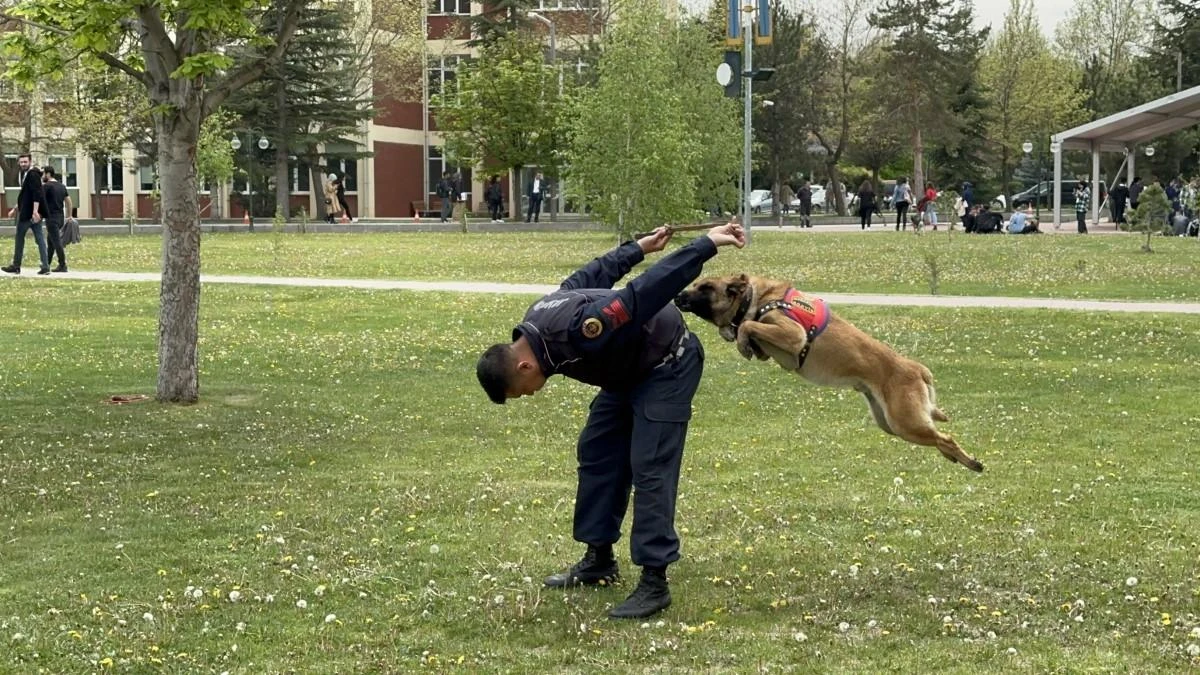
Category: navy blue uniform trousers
<point>634,439</point>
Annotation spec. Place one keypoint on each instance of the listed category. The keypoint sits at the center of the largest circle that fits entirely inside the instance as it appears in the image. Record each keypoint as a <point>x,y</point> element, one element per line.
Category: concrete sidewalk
<point>541,289</point>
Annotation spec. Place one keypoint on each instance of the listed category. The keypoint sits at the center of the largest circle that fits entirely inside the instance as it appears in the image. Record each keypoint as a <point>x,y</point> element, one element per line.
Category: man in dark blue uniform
<point>634,345</point>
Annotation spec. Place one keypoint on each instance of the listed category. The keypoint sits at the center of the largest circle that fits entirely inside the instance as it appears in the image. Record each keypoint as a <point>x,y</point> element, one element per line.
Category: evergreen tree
<point>501,18</point>
<point>315,97</point>
<point>935,46</point>
<point>1176,52</point>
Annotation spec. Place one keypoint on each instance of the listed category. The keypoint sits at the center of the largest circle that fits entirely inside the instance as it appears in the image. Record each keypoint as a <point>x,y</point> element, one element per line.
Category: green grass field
<point>345,498</point>
<point>1099,267</point>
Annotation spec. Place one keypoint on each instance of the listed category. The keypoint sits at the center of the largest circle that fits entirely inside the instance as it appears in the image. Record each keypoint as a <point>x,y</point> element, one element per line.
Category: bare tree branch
<point>252,69</point>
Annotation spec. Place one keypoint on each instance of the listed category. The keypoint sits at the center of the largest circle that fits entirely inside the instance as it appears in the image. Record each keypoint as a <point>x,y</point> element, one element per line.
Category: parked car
<point>761,200</point>
<point>1041,192</point>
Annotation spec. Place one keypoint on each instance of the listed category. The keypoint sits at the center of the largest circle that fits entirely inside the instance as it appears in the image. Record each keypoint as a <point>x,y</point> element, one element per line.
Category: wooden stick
<point>679,228</point>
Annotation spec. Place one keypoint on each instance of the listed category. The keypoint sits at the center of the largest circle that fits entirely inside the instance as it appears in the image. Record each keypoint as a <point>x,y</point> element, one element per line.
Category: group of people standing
<point>43,198</point>
<point>335,199</point>
<point>903,197</point>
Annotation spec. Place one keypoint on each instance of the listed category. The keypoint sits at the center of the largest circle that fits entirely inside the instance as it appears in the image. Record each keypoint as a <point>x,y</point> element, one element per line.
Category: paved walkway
<point>540,289</point>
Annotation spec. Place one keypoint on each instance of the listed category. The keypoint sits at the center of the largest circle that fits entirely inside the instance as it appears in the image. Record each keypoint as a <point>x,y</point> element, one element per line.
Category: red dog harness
<point>811,313</point>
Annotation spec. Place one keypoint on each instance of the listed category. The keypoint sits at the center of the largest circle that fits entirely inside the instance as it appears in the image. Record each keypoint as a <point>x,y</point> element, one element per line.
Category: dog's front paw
<point>728,333</point>
<point>746,349</point>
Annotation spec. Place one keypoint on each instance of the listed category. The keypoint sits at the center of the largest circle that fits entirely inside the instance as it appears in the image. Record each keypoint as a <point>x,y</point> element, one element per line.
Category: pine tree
<point>936,47</point>
<point>314,97</point>
<point>501,17</point>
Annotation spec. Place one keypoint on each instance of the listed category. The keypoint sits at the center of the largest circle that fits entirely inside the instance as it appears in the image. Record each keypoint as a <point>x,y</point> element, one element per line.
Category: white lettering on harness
<point>549,304</point>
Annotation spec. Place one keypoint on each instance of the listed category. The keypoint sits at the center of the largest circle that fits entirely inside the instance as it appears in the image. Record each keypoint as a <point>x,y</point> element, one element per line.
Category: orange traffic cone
<point>245,217</point>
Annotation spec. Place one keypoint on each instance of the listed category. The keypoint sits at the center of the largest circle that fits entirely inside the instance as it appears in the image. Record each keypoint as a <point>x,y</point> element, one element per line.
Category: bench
<point>427,208</point>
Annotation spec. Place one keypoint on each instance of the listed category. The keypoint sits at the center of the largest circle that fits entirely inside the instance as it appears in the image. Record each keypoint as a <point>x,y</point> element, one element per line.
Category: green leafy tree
<point>634,151</point>
<point>1031,91</point>
<point>1151,214</point>
<point>214,156</point>
<point>835,56</point>
<point>714,120</point>
<point>779,128</point>
<point>180,52</point>
<point>395,42</point>
<point>878,139</point>
<point>505,111</point>
<point>1105,38</point>
<point>933,48</point>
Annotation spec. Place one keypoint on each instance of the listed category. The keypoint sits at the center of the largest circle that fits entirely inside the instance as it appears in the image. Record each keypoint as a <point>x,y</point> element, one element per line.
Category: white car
<point>761,200</point>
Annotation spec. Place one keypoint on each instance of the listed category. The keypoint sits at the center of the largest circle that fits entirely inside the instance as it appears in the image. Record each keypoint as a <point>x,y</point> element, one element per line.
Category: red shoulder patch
<point>617,314</point>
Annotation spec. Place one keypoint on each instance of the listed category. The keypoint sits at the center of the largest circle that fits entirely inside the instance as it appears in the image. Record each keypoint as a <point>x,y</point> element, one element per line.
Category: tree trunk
<point>918,161</point>
<point>835,186</point>
<point>179,297</point>
<point>1006,177</point>
<point>514,186</point>
<point>283,182</point>
<point>96,209</point>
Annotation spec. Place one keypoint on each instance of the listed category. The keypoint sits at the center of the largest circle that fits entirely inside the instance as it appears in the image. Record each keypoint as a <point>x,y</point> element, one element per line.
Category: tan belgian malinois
<point>771,320</point>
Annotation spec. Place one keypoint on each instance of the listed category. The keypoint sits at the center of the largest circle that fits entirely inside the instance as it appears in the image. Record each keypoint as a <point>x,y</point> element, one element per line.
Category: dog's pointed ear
<point>737,286</point>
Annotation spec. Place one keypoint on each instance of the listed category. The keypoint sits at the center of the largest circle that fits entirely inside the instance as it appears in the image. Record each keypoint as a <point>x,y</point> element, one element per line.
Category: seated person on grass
<point>1023,222</point>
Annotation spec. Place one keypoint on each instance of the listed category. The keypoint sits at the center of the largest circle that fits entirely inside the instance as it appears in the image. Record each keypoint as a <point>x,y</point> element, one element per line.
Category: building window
<point>438,165</point>
<point>110,176</point>
<point>346,168</point>
<point>12,172</point>
<point>442,75</point>
<point>450,7</point>
<point>301,177</point>
<point>146,177</point>
<point>65,168</point>
<point>555,4</point>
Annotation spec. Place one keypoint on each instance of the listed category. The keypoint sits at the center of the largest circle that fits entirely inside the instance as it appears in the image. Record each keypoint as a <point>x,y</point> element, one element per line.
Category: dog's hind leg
<point>876,409</point>
<point>934,412</point>
<point>908,412</point>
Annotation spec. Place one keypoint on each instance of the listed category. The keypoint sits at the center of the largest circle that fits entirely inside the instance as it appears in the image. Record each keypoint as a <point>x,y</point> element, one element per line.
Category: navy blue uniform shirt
<point>611,338</point>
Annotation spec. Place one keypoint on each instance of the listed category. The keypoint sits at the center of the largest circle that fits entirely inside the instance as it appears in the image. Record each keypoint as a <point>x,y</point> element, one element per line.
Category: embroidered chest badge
<point>592,327</point>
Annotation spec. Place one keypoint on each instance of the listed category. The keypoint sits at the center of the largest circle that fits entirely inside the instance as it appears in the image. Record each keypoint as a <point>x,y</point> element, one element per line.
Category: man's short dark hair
<point>49,171</point>
<point>26,155</point>
<point>494,369</point>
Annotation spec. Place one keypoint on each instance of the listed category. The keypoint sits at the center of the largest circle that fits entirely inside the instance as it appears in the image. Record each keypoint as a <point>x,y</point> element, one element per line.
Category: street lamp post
<point>1027,147</point>
<point>263,144</point>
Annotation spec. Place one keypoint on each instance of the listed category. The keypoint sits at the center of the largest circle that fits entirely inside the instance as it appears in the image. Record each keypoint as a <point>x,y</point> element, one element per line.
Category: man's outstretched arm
<point>609,268</point>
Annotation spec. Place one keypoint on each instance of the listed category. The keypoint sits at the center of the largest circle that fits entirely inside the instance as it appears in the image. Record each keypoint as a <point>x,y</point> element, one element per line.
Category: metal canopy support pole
<point>747,123</point>
<point>1096,183</point>
<point>1130,157</point>
<point>1057,187</point>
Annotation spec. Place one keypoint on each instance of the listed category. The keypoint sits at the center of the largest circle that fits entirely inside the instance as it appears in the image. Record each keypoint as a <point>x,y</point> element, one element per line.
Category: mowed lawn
<point>345,499</point>
<point>1067,266</point>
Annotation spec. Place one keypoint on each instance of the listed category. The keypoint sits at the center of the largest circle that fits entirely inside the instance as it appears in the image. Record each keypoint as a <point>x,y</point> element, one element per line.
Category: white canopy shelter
<point>1123,132</point>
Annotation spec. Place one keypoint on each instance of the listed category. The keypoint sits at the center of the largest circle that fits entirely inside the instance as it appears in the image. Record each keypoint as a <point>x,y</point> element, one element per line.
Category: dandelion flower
<point>1131,582</point>
<point>240,627</point>
<point>843,626</point>
<point>302,603</point>
<point>434,548</point>
<point>148,617</point>
<point>234,596</point>
<point>1012,651</point>
<point>330,618</point>
<point>1193,649</point>
<point>898,481</point>
<point>799,636</point>
<point>319,590</point>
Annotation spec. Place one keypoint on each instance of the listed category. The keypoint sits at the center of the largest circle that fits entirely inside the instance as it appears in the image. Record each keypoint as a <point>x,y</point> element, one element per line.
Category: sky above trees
<point>1049,12</point>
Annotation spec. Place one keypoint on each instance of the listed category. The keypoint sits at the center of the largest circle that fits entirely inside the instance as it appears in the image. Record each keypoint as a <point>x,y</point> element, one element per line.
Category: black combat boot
<point>598,567</point>
<point>650,597</point>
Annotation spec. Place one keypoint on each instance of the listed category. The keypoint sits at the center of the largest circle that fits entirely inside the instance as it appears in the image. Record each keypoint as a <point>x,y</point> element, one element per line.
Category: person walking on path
<point>804,194</point>
<point>902,198</point>
<point>494,195</point>
<point>634,345</point>
<point>30,209</point>
<point>866,204</point>
<point>332,207</point>
<point>58,207</point>
<point>343,205</point>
